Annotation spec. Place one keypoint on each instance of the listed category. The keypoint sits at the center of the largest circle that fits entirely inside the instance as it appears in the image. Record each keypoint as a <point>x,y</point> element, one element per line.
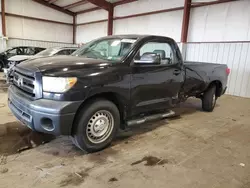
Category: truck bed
<point>198,76</point>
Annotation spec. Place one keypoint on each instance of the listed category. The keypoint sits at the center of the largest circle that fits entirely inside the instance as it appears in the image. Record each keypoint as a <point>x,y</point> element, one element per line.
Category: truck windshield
<point>108,49</point>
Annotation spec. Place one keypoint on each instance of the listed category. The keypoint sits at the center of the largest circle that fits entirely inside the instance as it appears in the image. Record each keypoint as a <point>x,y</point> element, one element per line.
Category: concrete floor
<point>198,149</point>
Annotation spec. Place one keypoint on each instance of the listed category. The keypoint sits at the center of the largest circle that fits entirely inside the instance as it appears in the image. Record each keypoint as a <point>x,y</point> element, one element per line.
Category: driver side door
<point>155,86</point>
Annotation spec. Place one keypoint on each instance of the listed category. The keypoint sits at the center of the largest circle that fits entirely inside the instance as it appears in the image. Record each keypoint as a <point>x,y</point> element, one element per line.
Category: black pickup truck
<point>110,83</point>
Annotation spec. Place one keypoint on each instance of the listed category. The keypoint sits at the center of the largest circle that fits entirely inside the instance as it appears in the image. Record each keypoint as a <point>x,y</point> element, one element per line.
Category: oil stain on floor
<point>151,161</point>
<point>113,179</point>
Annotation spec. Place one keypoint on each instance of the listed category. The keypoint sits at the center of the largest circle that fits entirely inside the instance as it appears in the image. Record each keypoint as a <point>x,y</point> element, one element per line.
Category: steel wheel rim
<point>100,126</point>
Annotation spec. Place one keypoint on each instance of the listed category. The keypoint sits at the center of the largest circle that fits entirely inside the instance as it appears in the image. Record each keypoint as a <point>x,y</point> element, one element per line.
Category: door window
<point>12,52</point>
<point>72,50</point>
<point>28,51</point>
<point>163,50</point>
<point>64,52</point>
<point>37,50</point>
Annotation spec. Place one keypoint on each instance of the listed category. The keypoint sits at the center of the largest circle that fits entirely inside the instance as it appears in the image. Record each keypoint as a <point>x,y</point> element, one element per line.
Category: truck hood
<point>58,65</point>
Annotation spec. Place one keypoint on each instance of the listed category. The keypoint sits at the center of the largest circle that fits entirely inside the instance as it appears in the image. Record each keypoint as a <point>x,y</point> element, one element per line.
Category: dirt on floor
<point>194,149</point>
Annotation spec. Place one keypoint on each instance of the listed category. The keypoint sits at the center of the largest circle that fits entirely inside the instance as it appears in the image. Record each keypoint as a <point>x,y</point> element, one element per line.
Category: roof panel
<point>82,7</point>
<point>62,3</point>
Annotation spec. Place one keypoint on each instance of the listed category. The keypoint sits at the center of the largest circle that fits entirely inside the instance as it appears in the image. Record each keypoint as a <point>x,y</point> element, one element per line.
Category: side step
<point>150,118</point>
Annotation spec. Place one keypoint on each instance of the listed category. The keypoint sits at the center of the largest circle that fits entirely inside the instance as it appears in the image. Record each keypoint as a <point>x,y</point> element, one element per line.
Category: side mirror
<point>148,58</point>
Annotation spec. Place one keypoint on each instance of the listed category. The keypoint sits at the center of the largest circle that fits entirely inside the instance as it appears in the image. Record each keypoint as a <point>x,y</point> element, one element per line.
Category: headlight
<point>58,84</point>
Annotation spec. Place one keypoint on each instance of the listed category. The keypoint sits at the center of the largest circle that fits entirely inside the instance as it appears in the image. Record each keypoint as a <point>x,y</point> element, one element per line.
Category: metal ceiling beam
<point>123,2</point>
<point>102,4</point>
<point>110,21</point>
<point>75,4</point>
<point>3,18</point>
<point>74,29</point>
<point>55,7</point>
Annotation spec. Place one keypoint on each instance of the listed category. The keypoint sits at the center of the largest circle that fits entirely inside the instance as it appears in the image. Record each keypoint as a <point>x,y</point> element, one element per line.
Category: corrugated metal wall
<point>86,33</point>
<point>235,54</point>
<point>220,22</point>
<point>26,42</point>
<point>23,28</point>
<point>3,44</point>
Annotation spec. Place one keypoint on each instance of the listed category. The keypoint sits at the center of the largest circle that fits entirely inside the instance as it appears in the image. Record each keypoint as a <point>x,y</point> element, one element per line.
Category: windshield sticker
<point>128,40</point>
<point>115,43</point>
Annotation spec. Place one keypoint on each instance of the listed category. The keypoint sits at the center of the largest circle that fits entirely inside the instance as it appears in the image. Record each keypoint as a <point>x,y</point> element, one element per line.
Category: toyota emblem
<point>20,82</point>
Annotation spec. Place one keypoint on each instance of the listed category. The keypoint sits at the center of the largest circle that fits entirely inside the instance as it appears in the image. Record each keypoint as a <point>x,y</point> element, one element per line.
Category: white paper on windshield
<point>128,40</point>
<point>115,43</point>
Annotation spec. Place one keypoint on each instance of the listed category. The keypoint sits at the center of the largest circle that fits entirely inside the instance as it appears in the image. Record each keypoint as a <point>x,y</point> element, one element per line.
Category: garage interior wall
<point>29,32</point>
<point>221,34</point>
<point>167,24</point>
<point>88,32</point>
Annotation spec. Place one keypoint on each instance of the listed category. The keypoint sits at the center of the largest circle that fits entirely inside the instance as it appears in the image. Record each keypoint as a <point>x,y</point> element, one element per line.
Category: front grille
<point>26,83</point>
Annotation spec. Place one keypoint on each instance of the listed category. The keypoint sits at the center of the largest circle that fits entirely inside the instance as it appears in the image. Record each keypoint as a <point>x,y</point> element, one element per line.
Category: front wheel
<point>209,99</point>
<point>96,125</point>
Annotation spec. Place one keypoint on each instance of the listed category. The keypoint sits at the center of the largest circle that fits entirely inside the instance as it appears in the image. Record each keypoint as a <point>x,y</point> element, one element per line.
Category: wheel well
<point>218,86</point>
<point>113,97</point>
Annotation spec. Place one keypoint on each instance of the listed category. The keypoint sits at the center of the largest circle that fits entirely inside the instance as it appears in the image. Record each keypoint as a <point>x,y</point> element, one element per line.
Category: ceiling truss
<point>99,4</point>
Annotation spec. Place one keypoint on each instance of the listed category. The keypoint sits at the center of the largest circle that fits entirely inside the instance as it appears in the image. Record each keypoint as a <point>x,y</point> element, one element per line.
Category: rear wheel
<point>96,125</point>
<point>209,99</point>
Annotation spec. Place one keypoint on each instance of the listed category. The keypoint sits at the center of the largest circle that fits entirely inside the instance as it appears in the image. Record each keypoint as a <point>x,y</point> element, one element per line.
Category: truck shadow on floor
<point>63,146</point>
<point>15,138</point>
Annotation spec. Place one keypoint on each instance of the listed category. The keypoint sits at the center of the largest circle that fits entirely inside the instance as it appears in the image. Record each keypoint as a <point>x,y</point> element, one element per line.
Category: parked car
<point>56,51</point>
<point>14,60</point>
<point>19,50</point>
<point>111,83</point>
<point>47,52</point>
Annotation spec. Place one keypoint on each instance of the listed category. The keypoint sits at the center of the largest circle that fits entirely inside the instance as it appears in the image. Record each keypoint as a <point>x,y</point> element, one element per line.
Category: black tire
<point>209,99</point>
<point>83,130</point>
<point>1,66</point>
<point>74,142</point>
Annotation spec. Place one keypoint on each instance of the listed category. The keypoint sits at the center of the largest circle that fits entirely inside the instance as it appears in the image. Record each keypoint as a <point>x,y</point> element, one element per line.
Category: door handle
<point>177,72</point>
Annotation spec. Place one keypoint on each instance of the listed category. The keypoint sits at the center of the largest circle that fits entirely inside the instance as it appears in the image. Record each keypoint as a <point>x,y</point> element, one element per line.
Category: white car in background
<point>14,60</point>
<point>47,52</point>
